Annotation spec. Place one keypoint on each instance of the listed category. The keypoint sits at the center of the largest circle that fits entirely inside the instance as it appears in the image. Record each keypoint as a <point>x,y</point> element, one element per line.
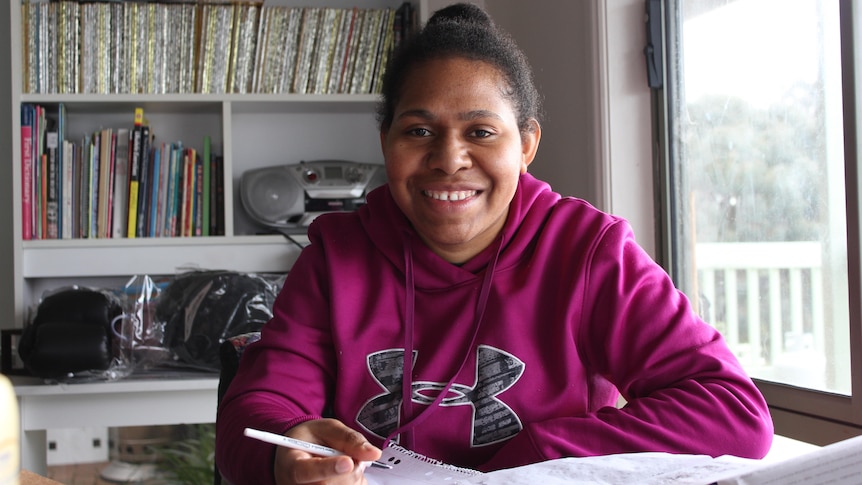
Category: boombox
<point>289,197</point>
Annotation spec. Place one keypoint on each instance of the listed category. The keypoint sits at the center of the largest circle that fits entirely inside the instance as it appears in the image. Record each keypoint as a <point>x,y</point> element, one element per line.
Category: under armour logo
<point>493,420</point>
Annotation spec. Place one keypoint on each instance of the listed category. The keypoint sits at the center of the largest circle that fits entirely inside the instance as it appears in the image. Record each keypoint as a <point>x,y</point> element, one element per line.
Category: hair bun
<point>461,12</point>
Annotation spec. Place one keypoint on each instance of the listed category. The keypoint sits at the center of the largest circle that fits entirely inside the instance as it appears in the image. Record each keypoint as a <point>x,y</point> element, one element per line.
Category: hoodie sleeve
<point>685,390</point>
<point>283,379</point>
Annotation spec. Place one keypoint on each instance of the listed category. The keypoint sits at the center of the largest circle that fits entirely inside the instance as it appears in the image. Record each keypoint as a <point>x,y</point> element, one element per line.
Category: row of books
<point>115,182</point>
<point>204,47</point>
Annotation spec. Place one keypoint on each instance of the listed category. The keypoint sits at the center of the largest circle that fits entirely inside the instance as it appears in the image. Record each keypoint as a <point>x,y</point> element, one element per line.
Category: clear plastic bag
<point>199,310</point>
<point>144,333</point>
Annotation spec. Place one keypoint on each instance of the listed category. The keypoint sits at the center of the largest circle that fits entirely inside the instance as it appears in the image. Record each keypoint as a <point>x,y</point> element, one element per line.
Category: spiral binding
<point>464,472</point>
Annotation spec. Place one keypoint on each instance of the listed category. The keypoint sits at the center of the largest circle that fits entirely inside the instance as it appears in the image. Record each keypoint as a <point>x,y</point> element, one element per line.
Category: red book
<point>26,171</point>
<point>191,176</point>
<point>188,194</point>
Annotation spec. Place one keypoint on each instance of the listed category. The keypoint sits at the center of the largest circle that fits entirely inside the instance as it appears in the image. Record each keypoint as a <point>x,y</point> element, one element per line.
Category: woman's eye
<point>420,132</point>
<point>481,133</point>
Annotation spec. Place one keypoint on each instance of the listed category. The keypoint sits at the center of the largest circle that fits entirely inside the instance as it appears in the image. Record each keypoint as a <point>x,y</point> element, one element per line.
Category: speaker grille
<point>271,195</point>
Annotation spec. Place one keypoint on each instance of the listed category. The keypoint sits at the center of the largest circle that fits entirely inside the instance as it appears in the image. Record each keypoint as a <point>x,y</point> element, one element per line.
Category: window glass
<point>757,176</point>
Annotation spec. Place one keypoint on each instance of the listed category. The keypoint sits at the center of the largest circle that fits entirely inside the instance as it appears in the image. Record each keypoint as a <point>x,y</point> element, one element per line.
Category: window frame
<point>804,414</point>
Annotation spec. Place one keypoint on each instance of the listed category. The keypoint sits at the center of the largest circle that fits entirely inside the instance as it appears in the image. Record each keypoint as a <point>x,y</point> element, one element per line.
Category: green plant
<point>190,460</point>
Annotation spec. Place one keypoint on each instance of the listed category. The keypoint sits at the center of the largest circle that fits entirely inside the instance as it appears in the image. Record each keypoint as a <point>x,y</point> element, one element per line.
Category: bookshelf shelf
<point>185,102</point>
<point>155,256</point>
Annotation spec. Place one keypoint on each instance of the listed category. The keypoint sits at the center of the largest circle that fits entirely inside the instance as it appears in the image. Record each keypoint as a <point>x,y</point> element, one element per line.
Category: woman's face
<point>454,154</point>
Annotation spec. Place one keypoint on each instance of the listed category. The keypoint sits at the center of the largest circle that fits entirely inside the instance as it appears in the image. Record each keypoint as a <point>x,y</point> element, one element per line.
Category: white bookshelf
<point>249,130</point>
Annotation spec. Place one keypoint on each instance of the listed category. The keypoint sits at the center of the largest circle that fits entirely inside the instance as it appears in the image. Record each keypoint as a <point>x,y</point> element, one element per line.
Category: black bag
<point>70,333</point>
<point>201,309</point>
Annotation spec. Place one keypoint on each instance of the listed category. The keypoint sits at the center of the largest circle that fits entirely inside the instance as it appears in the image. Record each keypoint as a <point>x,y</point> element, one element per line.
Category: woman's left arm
<point>685,390</point>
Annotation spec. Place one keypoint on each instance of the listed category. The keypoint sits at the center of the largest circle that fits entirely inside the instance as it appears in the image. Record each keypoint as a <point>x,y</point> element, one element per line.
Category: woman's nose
<point>449,154</point>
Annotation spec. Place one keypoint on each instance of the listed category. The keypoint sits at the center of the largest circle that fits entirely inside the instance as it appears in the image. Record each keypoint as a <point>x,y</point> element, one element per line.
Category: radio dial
<point>311,176</point>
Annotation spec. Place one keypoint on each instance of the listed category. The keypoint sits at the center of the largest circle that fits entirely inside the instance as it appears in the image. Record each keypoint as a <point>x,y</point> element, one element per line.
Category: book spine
<point>135,173</point>
<point>340,44</point>
<point>52,188</point>
<point>39,171</point>
<point>43,197</point>
<point>260,49</point>
<point>144,186</point>
<point>93,186</point>
<point>235,33</point>
<point>205,186</point>
<point>119,220</point>
<point>173,183</point>
<point>290,37</point>
<point>112,168</point>
<point>61,138</point>
<point>212,222</point>
<point>26,171</point>
<point>104,147</point>
<point>163,189</point>
<point>385,48</point>
<point>155,179</point>
<point>374,37</point>
<point>77,171</point>
<point>350,54</point>
<point>84,160</point>
<point>307,42</point>
<point>185,213</point>
<point>219,170</point>
<point>199,194</point>
<point>68,214</point>
<point>188,229</point>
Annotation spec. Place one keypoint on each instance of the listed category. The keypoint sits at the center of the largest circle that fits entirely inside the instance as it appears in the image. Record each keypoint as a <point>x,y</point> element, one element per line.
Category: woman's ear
<point>530,143</point>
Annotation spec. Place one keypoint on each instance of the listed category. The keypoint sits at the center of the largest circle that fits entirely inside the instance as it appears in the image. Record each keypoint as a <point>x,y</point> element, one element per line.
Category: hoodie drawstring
<point>407,378</point>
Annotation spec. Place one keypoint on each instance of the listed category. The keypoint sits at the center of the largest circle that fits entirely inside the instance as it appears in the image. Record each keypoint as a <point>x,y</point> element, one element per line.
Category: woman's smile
<point>456,195</point>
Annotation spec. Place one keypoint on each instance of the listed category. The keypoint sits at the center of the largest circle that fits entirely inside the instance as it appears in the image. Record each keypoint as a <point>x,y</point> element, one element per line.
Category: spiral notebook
<point>409,467</point>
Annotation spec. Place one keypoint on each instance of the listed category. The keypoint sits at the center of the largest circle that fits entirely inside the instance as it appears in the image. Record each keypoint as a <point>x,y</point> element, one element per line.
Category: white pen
<point>296,444</point>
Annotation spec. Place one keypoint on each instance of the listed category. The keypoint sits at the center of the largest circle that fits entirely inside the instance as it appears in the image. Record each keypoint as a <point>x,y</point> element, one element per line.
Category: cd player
<point>288,197</point>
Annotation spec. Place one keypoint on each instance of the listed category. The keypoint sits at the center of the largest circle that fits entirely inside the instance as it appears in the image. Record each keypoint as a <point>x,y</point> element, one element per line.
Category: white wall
<point>630,184</point>
<point>589,64</point>
<point>559,39</point>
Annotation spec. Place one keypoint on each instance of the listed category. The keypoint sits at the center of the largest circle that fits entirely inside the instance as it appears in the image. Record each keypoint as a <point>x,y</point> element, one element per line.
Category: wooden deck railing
<point>765,298</point>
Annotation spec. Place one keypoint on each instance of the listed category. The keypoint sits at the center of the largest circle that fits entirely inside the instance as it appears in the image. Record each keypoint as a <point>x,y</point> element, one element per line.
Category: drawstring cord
<point>409,308</point>
<point>407,438</point>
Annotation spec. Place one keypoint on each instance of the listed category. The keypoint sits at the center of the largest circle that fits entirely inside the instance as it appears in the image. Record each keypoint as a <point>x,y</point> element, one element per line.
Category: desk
<point>134,401</point>
<point>28,478</point>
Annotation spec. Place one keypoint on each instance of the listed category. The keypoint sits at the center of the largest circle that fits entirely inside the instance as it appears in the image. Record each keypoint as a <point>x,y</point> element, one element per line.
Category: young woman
<point>470,313</point>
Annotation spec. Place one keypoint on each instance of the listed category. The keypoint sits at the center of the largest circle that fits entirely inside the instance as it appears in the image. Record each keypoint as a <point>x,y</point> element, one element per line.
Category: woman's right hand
<point>300,467</point>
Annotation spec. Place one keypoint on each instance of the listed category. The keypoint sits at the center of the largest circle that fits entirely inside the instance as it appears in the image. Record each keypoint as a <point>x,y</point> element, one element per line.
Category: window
<point>761,190</point>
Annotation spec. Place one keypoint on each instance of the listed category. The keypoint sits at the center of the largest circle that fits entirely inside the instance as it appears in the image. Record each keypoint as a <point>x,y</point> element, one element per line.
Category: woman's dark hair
<point>462,30</point>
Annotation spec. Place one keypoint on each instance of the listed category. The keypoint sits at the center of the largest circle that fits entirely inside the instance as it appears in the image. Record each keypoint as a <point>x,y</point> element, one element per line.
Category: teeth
<point>455,195</point>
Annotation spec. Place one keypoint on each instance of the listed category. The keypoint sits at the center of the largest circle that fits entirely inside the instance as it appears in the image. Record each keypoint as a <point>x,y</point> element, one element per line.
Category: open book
<point>835,464</point>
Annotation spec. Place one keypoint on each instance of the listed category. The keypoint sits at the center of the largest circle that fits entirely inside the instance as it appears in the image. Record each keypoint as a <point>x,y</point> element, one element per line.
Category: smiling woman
<point>469,312</point>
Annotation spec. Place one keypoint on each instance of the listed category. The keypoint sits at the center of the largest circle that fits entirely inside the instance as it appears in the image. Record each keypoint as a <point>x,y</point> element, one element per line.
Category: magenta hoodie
<point>518,356</point>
